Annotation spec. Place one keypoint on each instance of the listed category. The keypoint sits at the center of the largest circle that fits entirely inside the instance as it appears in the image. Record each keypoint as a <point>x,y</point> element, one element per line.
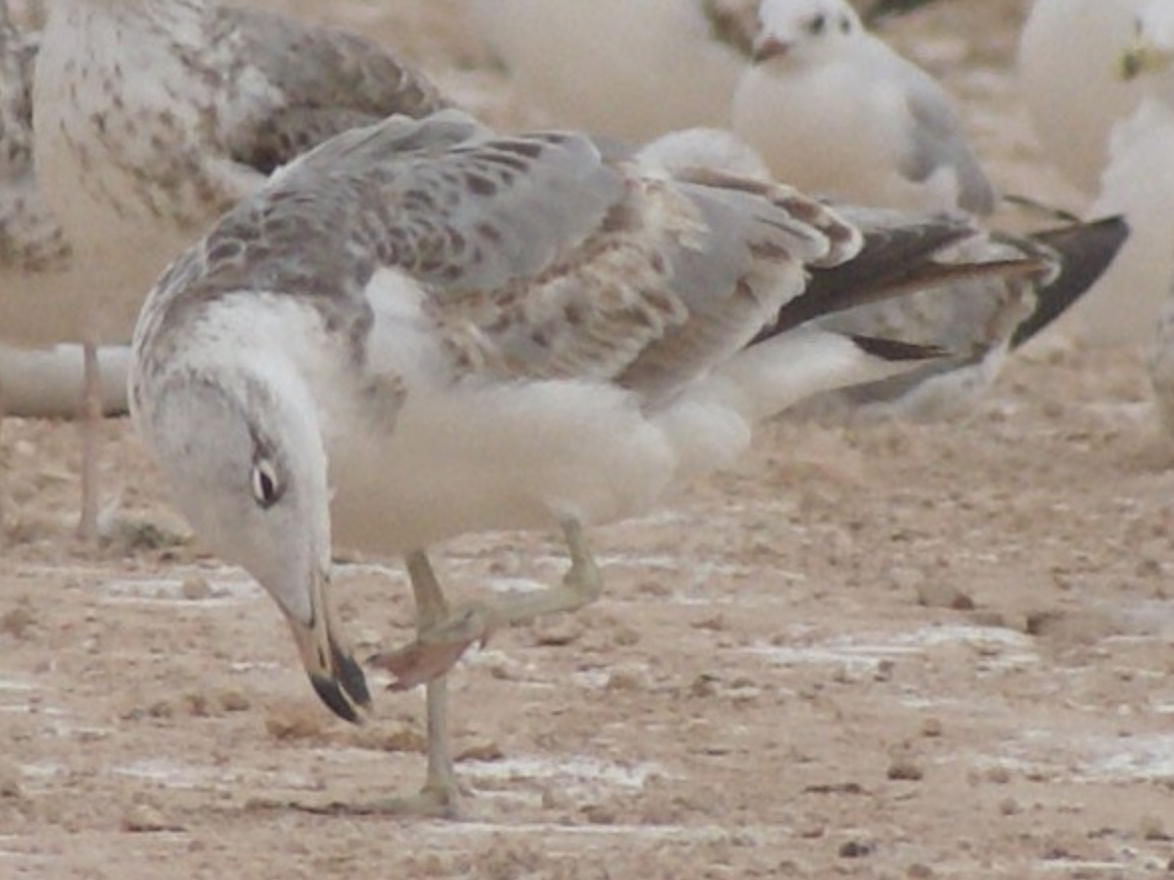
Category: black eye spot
<point>817,24</point>
<point>845,25</point>
<point>267,489</point>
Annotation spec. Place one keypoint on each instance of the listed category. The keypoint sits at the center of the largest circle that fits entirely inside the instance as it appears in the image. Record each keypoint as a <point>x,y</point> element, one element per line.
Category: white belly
<point>507,457</point>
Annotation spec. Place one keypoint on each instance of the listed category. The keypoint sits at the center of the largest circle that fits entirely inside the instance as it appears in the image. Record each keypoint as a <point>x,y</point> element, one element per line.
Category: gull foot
<point>437,649</point>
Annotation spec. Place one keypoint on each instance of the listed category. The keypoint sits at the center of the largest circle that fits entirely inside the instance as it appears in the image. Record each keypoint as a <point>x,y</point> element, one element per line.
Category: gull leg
<point>440,645</point>
<point>440,796</point>
<point>91,421</point>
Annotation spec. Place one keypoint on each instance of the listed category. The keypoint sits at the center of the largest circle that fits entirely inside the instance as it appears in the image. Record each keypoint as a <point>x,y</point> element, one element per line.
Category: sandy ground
<point>880,651</point>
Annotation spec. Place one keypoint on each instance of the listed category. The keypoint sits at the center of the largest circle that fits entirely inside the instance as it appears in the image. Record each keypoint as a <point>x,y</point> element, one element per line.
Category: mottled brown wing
<point>534,256</point>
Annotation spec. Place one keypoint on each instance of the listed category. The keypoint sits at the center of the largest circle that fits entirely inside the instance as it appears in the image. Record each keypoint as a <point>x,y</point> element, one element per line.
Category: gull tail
<point>712,424</point>
<point>767,378</point>
<point>899,256</point>
<point>1085,251</point>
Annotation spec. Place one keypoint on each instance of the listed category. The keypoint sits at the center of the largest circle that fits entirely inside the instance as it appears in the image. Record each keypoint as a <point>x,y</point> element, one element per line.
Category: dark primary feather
<point>897,254</point>
<point>1086,250</point>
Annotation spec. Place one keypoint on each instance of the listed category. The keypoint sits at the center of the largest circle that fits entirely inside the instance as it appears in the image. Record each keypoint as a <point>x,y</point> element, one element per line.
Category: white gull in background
<point>1069,54</point>
<point>632,70</point>
<point>155,116</point>
<point>1138,182</point>
<point>423,329</point>
<point>1140,179</point>
<point>832,109</point>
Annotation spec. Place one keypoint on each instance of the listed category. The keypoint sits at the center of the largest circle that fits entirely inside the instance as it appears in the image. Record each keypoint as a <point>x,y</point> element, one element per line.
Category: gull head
<point>237,439</point>
<point>798,31</point>
<point>1152,50</point>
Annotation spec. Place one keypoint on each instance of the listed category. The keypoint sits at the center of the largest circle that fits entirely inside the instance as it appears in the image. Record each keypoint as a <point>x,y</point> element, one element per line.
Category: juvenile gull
<point>155,116</point>
<point>423,328</point>
<point>832,109</point>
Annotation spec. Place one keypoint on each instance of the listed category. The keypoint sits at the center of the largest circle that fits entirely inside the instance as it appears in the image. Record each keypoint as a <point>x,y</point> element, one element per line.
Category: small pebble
<point>17,622</point>
<point>905,768</point>
<point>1153,829</point>
<point>939,594</point>
<point>855,849</point>
<point>234,701</point>
<point>10,779</point>
<point>931,728</point>
<point>195,589</point>
<point>599,814</point>
<point>144,818</point>
<point>625,680</point>
<point>562,629</point>
<point>391,737</point>
<point>998,775</point>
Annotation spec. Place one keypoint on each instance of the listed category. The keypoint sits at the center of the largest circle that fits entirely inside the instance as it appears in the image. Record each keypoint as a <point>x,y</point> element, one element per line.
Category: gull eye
<point>817,24</point>
<point>845,25</point>
<point>266,488</point>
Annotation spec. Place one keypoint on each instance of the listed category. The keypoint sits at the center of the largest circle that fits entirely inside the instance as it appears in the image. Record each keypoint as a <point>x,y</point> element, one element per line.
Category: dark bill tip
<point>897,351</point>
<point>351,677</point>
<point>331,694</point>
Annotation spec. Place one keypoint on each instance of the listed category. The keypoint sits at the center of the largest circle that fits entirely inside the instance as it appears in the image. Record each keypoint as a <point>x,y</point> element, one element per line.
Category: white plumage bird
<point>1069,61</point>
<point>423,328</point>
<point>1138,182</point>
<point>832,109</point>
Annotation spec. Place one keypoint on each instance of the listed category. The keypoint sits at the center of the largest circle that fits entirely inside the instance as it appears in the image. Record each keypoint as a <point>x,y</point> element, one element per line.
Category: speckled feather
<point>30,239</point>
<point>138,164</point>
<point>540,257</point>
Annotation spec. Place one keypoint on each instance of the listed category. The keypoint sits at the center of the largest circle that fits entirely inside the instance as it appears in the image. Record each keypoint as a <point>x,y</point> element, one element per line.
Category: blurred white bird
<point>1141,179</point>
<point>630,69</point>
<point>832,109</point>
<point>1069,57</point>
<point>1138,182</point>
